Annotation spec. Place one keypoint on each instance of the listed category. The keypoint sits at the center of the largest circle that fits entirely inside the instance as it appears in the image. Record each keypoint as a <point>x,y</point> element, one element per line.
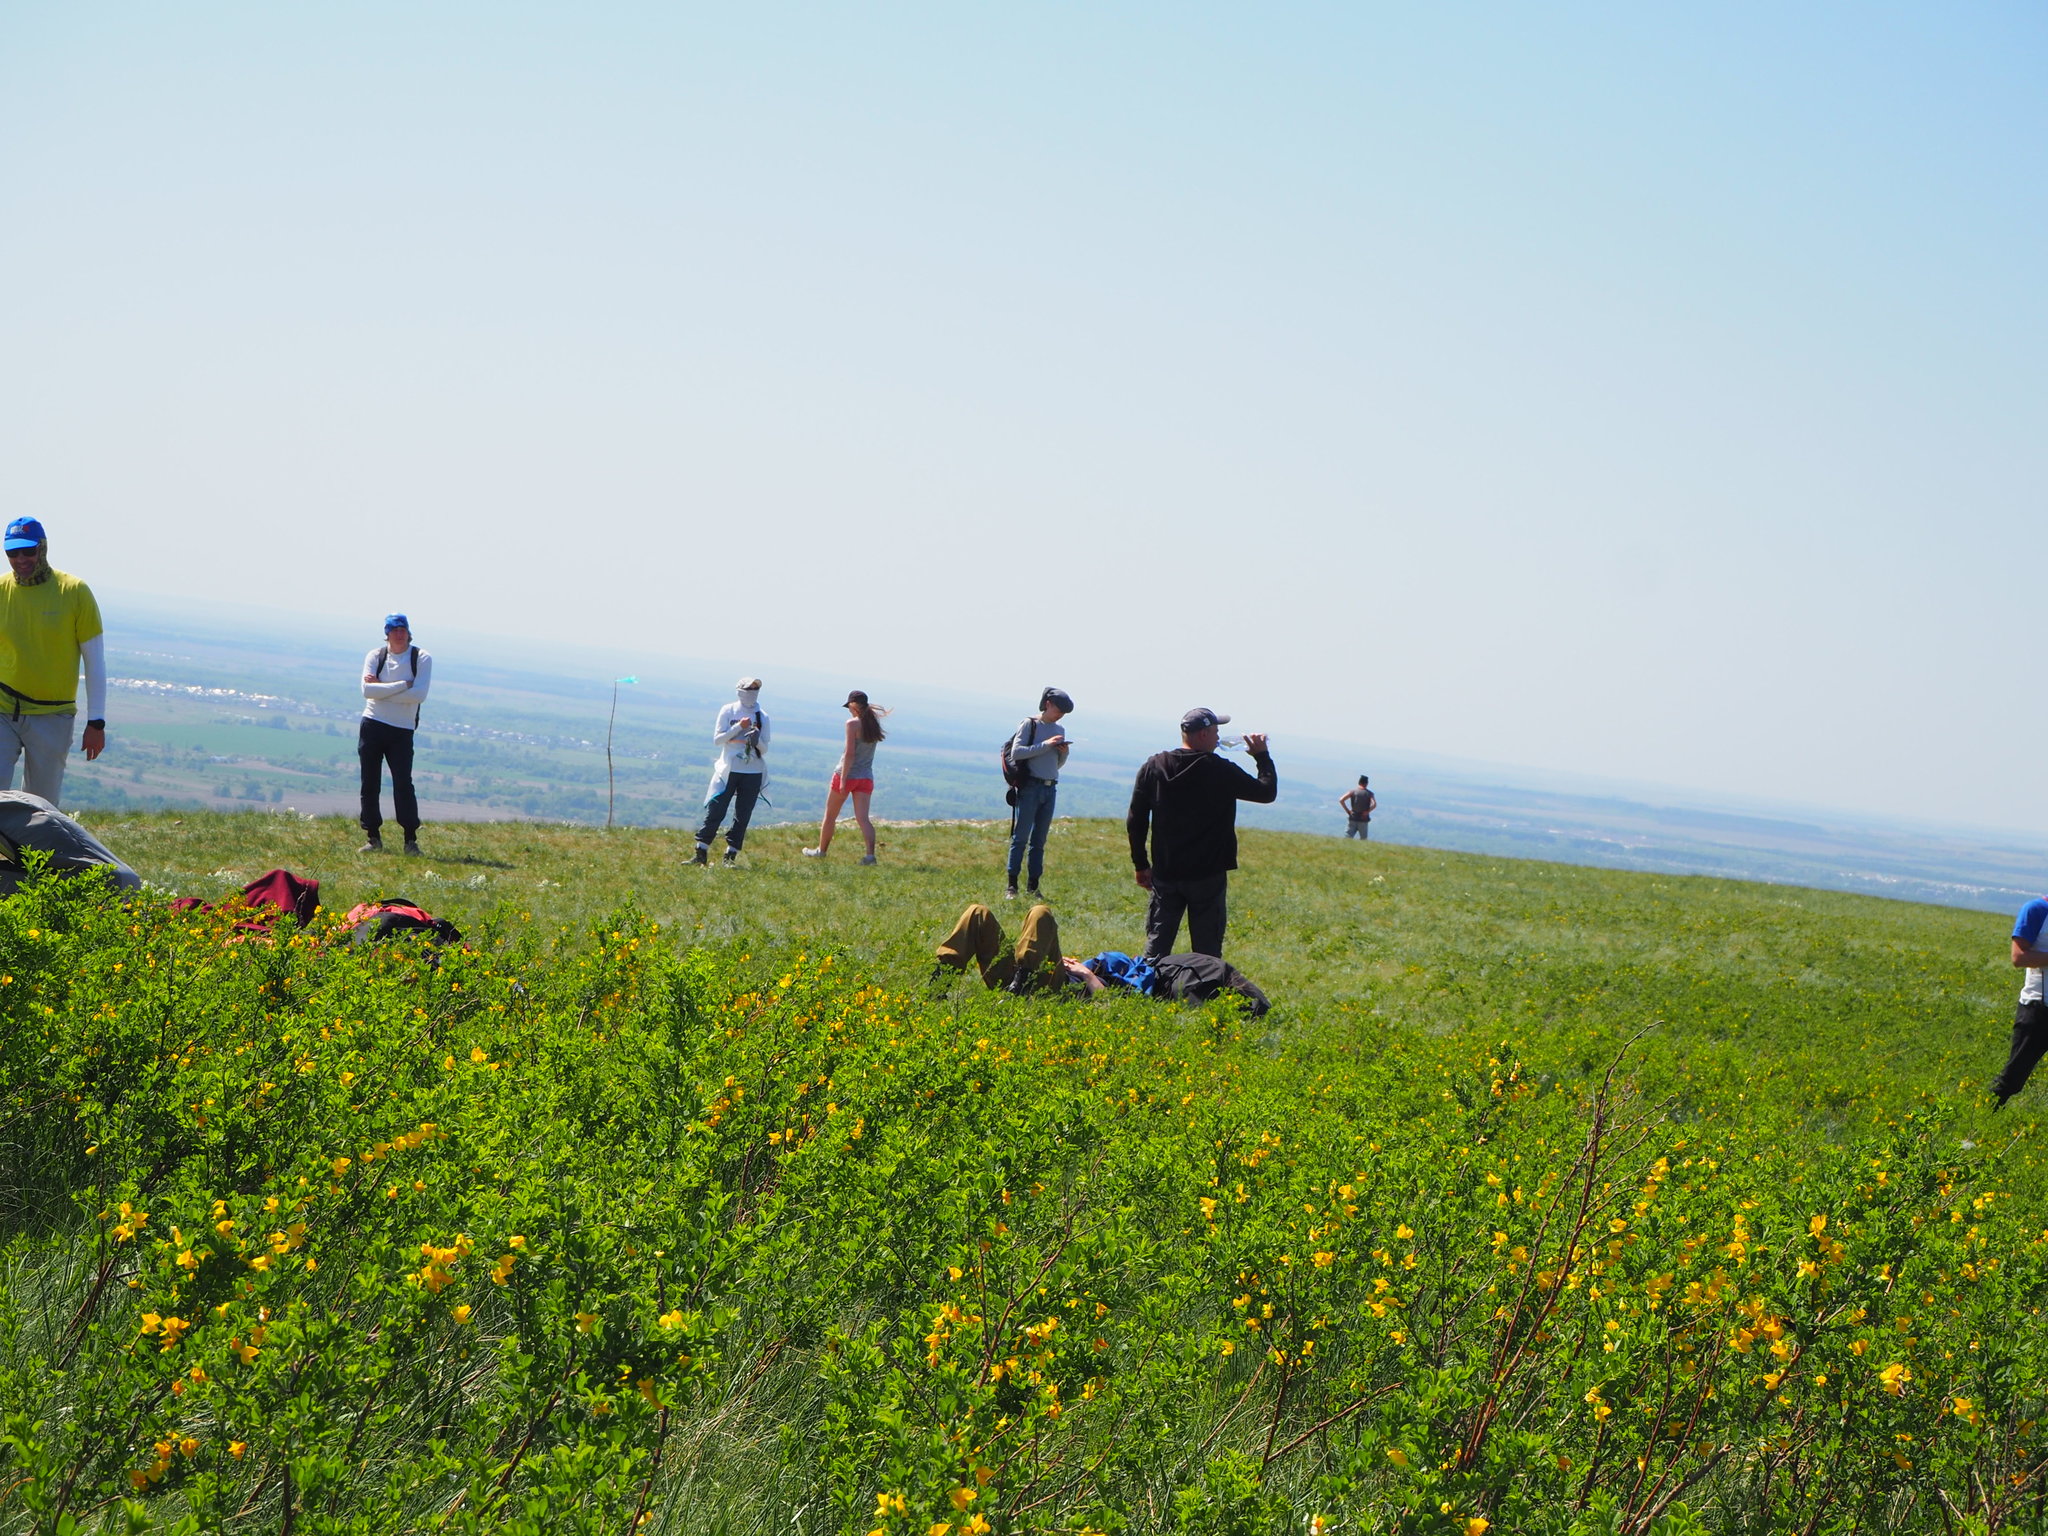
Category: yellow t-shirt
<point>41,629</point>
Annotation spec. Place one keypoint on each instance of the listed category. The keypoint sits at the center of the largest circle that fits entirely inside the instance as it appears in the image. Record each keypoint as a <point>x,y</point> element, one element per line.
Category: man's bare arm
<point>2029,959</point>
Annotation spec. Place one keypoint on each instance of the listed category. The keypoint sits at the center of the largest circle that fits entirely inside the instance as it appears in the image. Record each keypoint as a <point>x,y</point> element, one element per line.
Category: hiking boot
<point>372,844</point>
<point>1031,891</point>
<point>732,858</point>
<point>701,857</point>
<point>867,858</point>
<point>412,846</point>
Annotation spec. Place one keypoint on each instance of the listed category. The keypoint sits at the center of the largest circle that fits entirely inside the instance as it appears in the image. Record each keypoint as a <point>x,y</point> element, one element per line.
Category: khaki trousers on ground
<point>978,936</point>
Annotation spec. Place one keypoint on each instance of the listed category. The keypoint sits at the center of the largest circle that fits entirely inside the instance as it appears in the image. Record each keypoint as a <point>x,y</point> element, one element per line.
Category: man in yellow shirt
<point>49,625</point>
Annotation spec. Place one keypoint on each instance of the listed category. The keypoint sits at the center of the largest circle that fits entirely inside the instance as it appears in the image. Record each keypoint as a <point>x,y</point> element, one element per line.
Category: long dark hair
<point>869,716</point>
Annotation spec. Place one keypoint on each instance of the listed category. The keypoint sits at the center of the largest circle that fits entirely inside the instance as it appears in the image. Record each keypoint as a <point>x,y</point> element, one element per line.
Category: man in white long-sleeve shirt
<point>741,737</point>
<point>396,677</point>
<point>49,627</point>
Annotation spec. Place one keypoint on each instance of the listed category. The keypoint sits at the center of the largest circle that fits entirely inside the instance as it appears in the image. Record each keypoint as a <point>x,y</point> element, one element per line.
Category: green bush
<point>586,1232</point>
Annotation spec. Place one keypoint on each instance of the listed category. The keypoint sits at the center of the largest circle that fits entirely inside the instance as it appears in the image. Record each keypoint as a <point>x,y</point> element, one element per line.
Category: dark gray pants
<point>2029,1044</point>
<point>740,792</point>
<point>376,745</point>
<point>1203,902</point>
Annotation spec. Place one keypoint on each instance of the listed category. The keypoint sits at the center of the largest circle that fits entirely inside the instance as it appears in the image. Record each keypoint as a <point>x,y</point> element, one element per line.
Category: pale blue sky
<point>1653,392</point>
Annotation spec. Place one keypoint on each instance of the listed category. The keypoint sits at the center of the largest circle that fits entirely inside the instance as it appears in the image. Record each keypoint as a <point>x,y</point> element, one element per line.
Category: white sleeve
<point>94,651</point>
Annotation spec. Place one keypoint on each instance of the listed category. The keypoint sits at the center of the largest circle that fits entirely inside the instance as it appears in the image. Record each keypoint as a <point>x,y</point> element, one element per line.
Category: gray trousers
<point>42,742</point>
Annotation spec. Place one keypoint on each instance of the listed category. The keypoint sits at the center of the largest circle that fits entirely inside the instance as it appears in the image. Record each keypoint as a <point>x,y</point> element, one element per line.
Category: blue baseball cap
<point>397,621</point>
<point>25,533</point>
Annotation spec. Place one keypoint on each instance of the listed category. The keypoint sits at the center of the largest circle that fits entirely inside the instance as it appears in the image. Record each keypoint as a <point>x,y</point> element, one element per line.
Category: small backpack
<point>1015,774</point>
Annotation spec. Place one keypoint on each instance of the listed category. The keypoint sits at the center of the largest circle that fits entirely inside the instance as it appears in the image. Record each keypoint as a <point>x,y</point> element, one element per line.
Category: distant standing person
<point>737,778</point>
<point>396,677</point>
<point>49,627</point>
<point>854,778</point>
<point>2030,1022</point>
<point>1041,747</point>
<point>1359,804</point>
<point>1188,800</point>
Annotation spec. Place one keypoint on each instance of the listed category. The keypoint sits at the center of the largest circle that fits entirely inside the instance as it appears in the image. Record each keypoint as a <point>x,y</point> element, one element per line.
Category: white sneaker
<point>814,853</point>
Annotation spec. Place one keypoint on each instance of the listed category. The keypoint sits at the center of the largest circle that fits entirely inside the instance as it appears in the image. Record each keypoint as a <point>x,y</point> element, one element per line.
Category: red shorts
<point>851,786</point>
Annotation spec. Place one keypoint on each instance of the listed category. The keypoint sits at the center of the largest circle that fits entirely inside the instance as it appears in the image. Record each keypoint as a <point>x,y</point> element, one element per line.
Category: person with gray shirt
<point>854,778</point>
<point>1040,749</point>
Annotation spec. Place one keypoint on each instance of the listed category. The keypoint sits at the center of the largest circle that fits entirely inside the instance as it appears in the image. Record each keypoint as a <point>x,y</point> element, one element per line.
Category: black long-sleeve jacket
<point>1189,801</point>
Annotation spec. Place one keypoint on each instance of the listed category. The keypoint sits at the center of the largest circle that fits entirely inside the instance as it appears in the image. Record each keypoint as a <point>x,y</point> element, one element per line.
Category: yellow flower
<point>671,1319</point>
<point>341,1166</point>
<point>515,1241</point>
<point>977,1526</point>
<point>1404,1232</point>
<point>1894,1378</point>
<point>585,1321</point>
<point>1208,1208</point>
<point>962,1497</point>
<point>645,1387</point>
<point>954,1271</point>
<point>246,1353</point>
<point>188,1447</point>
<point>1397,1456</point>
<point>1477,1525</point>
<point>461,1313</point>
<point>1325,1260</point>
<point>236,1447</point>
<point>887,1504</point>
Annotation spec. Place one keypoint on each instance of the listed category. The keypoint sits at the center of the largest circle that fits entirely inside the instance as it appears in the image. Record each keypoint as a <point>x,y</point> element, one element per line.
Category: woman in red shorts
<point>854,778</point>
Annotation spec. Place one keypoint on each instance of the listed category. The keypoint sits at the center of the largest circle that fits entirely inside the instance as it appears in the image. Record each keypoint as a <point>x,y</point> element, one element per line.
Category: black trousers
<point>1203,902</point>
<point>2029,1044</point>
<point>376,745</point>
<point>740,792</point>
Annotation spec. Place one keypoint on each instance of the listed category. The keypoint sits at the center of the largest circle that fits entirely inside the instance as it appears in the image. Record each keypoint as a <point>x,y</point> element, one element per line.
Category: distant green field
<point>1547,1199</point>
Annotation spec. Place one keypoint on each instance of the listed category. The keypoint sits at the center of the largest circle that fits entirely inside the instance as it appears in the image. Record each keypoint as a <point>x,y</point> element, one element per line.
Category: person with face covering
<point>49,627</point>
<point>739,775</point>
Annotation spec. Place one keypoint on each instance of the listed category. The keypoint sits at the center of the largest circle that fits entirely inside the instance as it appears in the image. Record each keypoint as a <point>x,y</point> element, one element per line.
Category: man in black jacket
<point>1188,799</point>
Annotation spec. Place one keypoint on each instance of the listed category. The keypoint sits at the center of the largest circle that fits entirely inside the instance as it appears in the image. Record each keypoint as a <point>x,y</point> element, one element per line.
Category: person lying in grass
<point>1034,964</point>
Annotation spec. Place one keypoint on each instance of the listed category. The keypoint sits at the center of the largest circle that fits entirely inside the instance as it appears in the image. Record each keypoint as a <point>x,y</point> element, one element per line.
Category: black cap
<point>1201,720</point>
<point>1057,696</point>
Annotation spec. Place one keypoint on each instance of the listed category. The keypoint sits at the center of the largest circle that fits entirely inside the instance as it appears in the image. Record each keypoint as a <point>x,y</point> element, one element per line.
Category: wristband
<point>95,725</point>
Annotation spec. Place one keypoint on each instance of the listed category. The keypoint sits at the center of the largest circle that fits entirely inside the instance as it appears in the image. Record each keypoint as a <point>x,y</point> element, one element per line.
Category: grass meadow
<point>1546,1199</point>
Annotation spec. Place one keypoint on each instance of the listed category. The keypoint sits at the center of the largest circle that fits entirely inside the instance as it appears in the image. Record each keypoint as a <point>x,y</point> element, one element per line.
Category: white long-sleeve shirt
<point>396,696</point>
<point>94,653</point>
<point>735,725</point>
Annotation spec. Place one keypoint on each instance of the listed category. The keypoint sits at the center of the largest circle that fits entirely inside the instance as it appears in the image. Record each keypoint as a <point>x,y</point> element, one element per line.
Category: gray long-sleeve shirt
<point>1037,746</point>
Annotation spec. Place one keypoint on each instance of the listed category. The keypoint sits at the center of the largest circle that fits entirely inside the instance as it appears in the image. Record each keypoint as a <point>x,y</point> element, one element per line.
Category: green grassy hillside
<point>1547,1198</point>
